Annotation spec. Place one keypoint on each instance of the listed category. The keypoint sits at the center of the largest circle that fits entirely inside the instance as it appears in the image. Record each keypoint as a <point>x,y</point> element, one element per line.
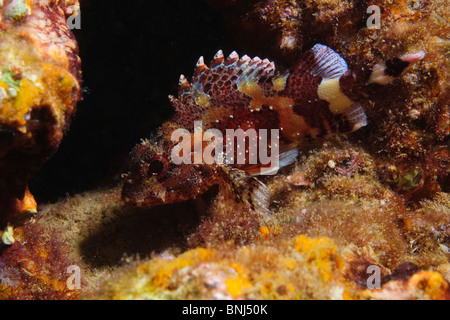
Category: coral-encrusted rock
<point>298,268</point>
<point>421,285</point>
<point>39,88</point>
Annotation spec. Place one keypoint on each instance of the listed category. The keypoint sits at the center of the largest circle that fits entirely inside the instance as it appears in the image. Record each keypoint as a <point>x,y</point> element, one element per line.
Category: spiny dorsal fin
<point>232,58</point>
<point>173,100</point>
<point>234,69</point>
<point>183,85</point>
<point>216,85</point>
<point>218,59</point>
<point>223,74</point>
<point>199,68</point>
<point>257,70</point>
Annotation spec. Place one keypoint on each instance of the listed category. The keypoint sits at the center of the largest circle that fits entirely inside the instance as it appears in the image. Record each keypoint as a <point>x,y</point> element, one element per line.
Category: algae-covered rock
<point>39,88</point>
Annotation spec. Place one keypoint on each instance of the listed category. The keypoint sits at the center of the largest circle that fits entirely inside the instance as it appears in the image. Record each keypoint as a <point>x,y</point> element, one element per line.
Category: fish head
<point>154,179</point>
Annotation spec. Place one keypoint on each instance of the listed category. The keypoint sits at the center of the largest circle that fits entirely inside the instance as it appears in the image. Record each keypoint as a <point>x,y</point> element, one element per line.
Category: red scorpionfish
<point>307,101</point>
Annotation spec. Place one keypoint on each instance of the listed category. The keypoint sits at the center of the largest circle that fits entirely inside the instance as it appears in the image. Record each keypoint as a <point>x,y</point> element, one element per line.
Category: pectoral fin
<point>247,190</point>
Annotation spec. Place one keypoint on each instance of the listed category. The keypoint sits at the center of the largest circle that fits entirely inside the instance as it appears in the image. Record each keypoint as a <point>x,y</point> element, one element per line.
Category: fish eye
<point>156,168</point>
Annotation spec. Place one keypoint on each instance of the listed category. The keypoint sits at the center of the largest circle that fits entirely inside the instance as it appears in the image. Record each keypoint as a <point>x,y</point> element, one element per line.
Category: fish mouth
<point>139,202</point>
<point>132,194</point>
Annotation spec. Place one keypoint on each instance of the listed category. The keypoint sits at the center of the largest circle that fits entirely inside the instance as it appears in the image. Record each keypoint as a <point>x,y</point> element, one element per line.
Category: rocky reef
<point>39,88</point>
<point>332,220</point>
<point>299,268</point>
<point>366,216</point>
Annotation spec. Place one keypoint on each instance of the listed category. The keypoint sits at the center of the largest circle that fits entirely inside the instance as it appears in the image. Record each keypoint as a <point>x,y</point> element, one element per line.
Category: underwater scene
<point>224,150</point>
